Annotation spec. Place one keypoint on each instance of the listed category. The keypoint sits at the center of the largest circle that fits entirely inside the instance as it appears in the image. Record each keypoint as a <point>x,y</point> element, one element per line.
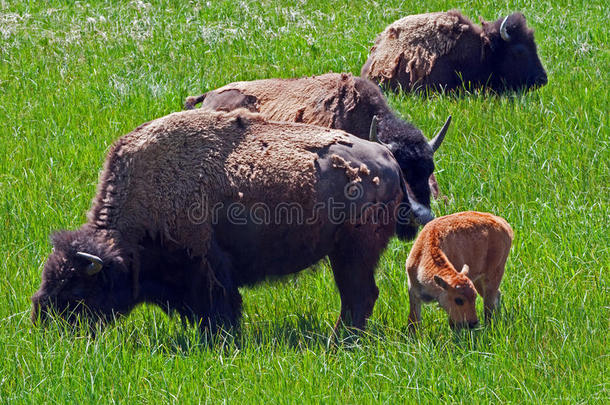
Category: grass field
<point>76,76</point>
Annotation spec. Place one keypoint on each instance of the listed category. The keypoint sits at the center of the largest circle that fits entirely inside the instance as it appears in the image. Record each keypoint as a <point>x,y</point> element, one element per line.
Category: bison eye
<point>459,301</point>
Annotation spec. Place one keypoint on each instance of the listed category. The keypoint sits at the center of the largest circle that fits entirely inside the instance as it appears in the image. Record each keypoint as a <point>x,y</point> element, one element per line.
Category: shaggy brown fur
<point>334,100</point>
<point>478,244</point>
<point>352,173</point>
<point>329,100</point>
<point>164,225</point>
<point>413,44</point>
<point>444,50</point>
<point>243,153</point>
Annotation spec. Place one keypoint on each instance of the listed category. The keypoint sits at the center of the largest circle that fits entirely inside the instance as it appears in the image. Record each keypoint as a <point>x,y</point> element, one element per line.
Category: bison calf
<point>478,244</point>
<point>446,50</point>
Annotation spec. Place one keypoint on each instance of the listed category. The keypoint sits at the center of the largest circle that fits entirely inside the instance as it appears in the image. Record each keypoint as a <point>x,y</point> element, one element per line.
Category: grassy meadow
<point>75,76</point>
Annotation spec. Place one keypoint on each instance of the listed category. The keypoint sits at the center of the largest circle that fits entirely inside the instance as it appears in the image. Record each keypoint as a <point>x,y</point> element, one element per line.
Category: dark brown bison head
<point>514,59</point>
<point>83,278</point>
<point>415,155</point>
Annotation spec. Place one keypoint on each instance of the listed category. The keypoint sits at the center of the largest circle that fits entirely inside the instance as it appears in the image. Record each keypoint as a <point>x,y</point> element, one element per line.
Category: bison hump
<point>408,48</point>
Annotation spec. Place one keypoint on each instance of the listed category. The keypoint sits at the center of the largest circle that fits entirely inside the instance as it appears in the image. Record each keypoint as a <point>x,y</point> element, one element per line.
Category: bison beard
<point>143,243</point>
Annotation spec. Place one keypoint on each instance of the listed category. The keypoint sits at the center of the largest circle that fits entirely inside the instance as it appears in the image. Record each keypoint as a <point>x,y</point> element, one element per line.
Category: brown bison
<point>338,100</point>
<point>193,205</point>
<point>439,51</point>
<point>478,244</point>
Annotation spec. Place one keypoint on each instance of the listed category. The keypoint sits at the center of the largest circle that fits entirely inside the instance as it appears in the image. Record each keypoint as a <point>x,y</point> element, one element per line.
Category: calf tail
<point>192,101</point>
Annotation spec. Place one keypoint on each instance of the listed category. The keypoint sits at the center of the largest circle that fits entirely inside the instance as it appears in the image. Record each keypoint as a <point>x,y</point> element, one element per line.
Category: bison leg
<point>224,297</point>
<point>209,297</point>
<point>353,261</point>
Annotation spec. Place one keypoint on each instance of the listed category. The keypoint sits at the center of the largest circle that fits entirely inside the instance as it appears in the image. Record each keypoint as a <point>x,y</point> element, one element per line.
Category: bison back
<point>405,53</point>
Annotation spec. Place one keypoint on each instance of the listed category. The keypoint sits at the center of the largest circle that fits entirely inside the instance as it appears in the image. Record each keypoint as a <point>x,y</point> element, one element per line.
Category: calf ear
<point>441,283</point>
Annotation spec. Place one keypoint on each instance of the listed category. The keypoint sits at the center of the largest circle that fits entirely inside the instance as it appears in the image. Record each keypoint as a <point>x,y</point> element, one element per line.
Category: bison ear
<point>441,283</point>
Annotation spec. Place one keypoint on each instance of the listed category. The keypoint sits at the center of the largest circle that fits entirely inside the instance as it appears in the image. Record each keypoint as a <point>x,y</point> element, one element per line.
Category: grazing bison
<point>193,205</point>
<point>478,244</point>
<point>338,100</point>
<point>446,51</point>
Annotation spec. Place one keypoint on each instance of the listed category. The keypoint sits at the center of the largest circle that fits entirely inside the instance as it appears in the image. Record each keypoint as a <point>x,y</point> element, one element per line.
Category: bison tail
<point>192,101</point>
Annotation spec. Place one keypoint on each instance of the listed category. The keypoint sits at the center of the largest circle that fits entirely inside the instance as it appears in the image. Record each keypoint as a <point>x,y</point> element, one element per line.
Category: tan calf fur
<point>454,258</point>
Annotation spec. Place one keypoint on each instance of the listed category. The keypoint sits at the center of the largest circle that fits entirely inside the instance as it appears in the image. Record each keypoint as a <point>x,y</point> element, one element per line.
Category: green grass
<point>74,77</point>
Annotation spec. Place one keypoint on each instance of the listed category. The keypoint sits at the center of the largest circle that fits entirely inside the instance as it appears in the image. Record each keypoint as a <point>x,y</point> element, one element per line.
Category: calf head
<point>83,278</point>
<point>514,59</point>
<point>458,299</point>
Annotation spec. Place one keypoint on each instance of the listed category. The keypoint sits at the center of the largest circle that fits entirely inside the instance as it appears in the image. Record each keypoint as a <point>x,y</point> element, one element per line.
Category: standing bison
<point>447,51</point>
<point>193,205</point>
<point>338,100</point>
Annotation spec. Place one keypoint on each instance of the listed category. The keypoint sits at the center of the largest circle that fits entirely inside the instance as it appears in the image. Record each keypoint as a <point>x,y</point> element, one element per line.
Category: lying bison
<point>447,51</point>
<point>193,205</point>
<point>338,100</point>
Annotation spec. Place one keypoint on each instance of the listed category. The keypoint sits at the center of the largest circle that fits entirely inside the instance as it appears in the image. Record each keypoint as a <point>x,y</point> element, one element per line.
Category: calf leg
<point>353,261</point>
<point>491,303</point>
<point>490,290</point>
<point>414,309</point>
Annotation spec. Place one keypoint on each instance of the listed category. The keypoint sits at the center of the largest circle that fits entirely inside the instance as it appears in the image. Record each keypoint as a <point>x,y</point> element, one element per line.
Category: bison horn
<point>438,139</point>
<point>504,30</point>
<point>373,131</point>
<point>96,263</point>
